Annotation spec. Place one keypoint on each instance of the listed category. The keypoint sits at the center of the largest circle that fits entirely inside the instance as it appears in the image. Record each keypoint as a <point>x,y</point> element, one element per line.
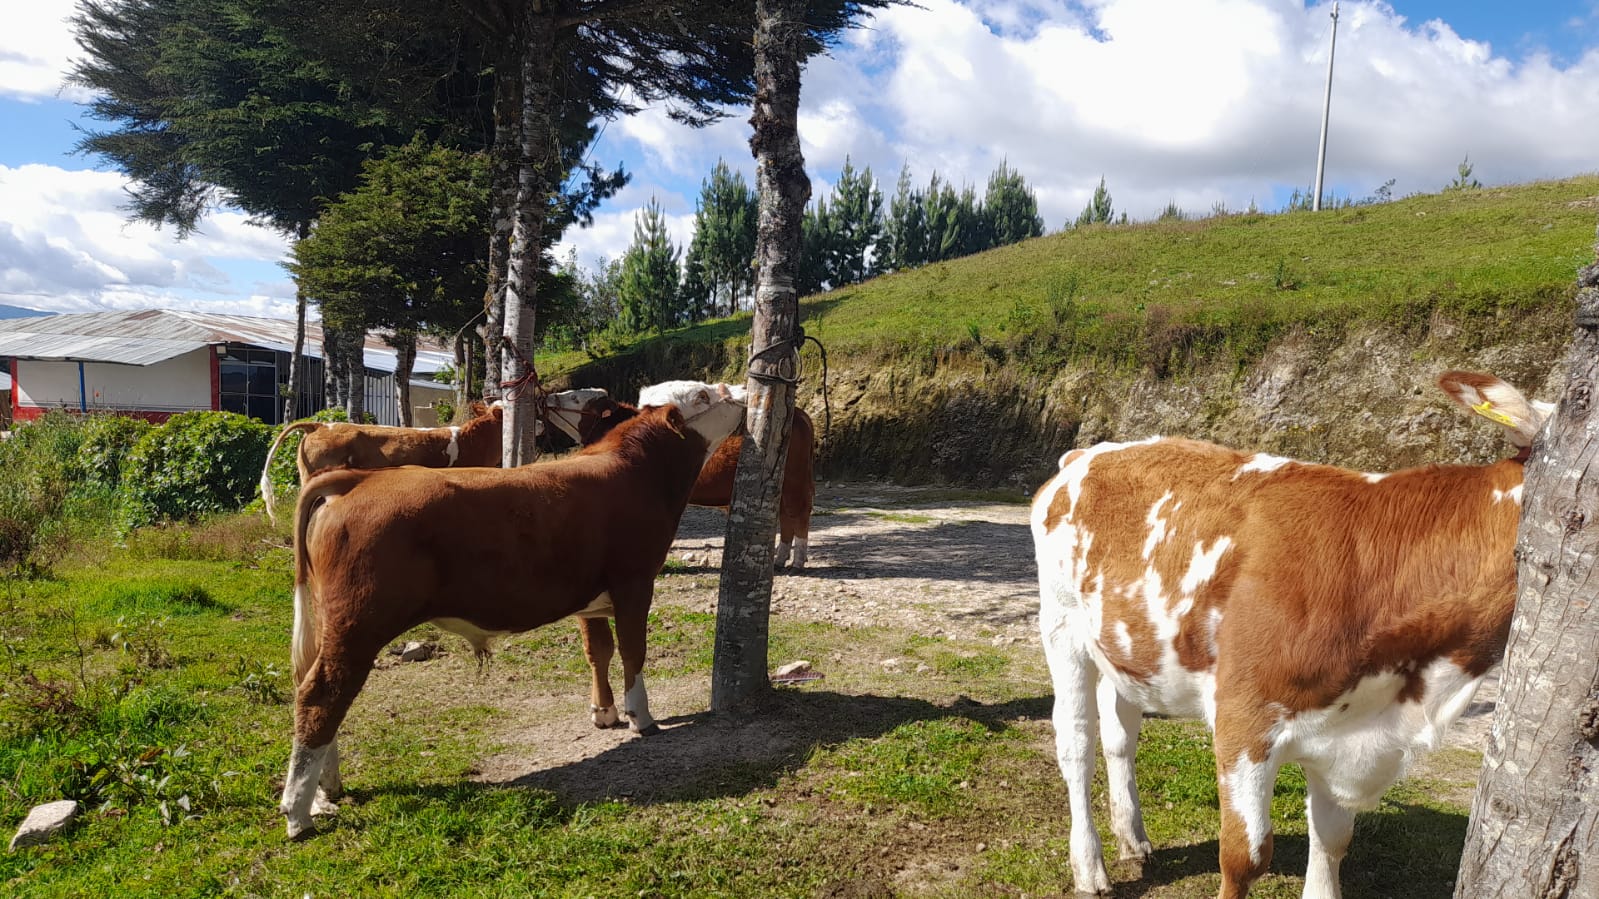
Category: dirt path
<point>928,561</point>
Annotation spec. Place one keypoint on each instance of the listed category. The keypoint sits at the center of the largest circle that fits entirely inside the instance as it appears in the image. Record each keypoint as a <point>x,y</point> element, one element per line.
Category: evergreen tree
<point>857,224</point>
<point>719,269</point>
<point>818,248</point>
<point>1098,211</point>
<point>953,221</point>
<point>905,228</point>
<point>1010,209</point>
<point>648,291</point>
<point>1463,179</point>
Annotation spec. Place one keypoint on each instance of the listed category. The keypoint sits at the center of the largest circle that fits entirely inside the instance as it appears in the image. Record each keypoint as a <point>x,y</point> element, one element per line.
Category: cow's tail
<point>267,498</point>
<point>304,644</point>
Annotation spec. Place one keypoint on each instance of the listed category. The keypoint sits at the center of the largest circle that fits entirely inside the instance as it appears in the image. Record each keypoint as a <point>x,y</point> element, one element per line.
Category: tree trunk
<point>537,165</point>
<point>404,344</point>
<point>1534,830</point>
<point>744,598</point>
<point>332,367</point>
<point>463,375</point>
<point>291,402</point>
<point>506,150</point>
<point>353,342</point>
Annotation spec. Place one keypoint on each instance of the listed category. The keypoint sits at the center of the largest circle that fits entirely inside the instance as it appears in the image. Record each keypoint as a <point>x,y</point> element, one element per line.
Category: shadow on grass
<point>709,755</point>
<point>1405,850</point>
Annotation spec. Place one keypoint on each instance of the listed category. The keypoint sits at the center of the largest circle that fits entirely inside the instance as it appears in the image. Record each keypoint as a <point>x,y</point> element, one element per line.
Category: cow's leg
<point>330,786</point>
<point>320,704</point>
<point>1245,774</point>
<point>599,646</point>
<point>1331,826</point>
<point>1119,724</point>
<point>632,607</point>
<point>1074,676</point>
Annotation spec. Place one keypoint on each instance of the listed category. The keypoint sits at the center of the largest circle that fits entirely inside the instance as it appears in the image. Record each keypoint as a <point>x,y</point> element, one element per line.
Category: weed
<point>144,642</point>
<point>260,681</point>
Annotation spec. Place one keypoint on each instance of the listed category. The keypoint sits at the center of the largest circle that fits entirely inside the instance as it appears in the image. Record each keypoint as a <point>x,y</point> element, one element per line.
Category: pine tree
<point>1098,211</point>
<point>649,287</point>
<point>1010,209</point>
<point>818,249</point>
<point>721,254</point>
<point>905,228</point>
<point>857,224</point>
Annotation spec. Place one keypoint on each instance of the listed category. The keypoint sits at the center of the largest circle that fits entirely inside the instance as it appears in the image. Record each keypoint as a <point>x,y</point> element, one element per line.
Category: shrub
<point>197,462</point>
<point>105,443</point>
<point>38,462</point>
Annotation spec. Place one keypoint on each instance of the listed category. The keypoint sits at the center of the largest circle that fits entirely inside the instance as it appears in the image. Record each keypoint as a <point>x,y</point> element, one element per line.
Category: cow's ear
<point>1498,402</point>
<point>675,421</point>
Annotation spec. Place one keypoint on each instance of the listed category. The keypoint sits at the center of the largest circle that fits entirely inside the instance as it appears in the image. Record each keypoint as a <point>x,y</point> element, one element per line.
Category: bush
<point>197,462</point>
<point>105,441</point>
<point>38,462</point>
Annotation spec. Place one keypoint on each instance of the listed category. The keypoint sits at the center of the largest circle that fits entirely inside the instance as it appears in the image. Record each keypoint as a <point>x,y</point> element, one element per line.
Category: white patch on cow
<point>599,607</point>
<point>636,705</point>
<point>1157,525</point>
<point>1215,628</point>
<point>1202,567</point>
<point>1363,740</point>
<point>1262,463</point>
<point>454,449</point>
<point>1124,638</point>
<point>1373,477</point>
<point>482,641</point>
<point>1249,785</point>
<point>1513,494</point>
<point>300,786</point>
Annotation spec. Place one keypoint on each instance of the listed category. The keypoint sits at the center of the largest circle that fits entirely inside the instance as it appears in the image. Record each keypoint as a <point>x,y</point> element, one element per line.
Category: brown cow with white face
<point>483,552</point>
<point>1310,615</point>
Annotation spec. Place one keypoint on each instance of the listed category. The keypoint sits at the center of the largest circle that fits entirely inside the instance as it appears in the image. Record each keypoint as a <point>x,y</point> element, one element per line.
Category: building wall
<point>155,391</point>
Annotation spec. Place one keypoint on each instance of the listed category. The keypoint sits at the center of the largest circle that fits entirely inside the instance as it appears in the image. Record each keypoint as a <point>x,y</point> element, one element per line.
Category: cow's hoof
<point>603,718</point>
<point>322,805</point>
<point>650,731</point>
<point>299,830</point>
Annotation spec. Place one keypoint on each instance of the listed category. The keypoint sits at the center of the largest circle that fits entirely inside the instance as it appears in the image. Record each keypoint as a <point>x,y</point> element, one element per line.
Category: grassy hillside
<point>1150,293</point>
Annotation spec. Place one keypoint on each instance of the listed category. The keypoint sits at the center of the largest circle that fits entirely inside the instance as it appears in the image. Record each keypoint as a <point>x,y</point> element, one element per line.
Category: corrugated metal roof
<point>148,336</point>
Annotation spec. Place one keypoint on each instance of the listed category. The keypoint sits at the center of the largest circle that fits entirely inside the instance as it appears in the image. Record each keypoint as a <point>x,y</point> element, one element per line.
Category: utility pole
<point>1326,109</point>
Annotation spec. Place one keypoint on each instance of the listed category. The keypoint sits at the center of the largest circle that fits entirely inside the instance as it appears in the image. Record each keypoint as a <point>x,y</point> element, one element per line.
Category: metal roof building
<point>157,362</point>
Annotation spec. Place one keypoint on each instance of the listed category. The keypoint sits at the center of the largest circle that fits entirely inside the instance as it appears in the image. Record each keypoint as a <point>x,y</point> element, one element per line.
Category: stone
<point>43,822</point>
<point>416,651</point>
<point>793,668</point>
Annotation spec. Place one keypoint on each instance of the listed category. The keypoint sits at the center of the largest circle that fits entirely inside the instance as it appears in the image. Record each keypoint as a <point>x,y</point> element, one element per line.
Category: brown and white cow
<point>714,488</point>
<point>483,552</point>
<point>1310,615</point>
<point>476,444</point>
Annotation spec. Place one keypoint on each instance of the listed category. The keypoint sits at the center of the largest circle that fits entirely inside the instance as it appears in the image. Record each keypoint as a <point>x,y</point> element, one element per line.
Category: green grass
<point>1155,293</point>
<point>142,684</point>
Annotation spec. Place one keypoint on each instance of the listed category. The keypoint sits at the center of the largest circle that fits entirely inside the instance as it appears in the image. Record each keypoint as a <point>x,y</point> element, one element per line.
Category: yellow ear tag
<point>1486,410</point>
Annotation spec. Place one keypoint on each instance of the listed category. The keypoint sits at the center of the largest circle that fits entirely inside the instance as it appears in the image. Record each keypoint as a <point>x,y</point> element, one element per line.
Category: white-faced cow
<point>483,552</point>
<point>1310,615</point>
<point>797,496</point>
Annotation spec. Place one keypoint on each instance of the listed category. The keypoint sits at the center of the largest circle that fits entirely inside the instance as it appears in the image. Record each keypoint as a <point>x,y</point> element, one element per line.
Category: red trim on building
<point>216,381</point>
<point>29,413</point>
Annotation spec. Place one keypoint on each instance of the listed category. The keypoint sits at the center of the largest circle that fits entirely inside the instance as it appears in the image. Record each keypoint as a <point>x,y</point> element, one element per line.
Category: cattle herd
<point>1333,619</point>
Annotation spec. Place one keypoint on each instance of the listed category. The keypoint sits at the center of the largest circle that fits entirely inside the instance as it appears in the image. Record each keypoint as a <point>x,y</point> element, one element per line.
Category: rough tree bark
<point>404,344</point>
<point>744,598</point>
<point>333,380</point>
<point>1534,830</point>
<point>291,402</point>
<point>353,345</point>
<point>538,162</point>
<point>503,155</point>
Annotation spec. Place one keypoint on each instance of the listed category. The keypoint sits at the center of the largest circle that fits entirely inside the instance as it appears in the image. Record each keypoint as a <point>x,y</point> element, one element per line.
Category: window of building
<point>249,383</point>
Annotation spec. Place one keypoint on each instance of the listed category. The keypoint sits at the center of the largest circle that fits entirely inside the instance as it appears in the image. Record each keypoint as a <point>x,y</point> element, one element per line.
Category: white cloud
<point>65,245</point>
<point>1200,102</point>
<point>36,47</point>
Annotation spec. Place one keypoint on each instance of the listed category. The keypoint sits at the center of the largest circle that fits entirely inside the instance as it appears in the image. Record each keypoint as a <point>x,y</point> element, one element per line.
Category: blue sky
<point>1198,102</point>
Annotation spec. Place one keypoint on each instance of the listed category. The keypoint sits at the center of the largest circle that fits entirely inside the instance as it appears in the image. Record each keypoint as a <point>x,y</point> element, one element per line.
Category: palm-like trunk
<point>1534,830</point>
<point>744,598</point>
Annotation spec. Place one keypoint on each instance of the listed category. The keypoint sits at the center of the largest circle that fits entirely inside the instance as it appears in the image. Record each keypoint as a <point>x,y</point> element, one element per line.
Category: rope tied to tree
<point>793,345</point>
<point>513,388</point>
